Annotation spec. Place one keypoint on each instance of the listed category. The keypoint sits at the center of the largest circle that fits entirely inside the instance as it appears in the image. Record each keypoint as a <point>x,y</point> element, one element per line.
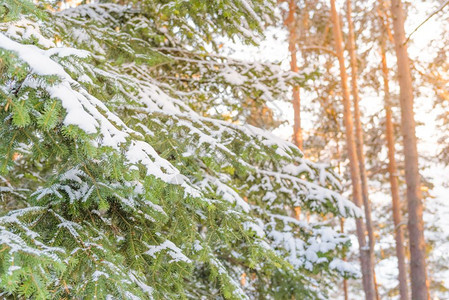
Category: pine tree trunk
<point>342,225</point>
<point>365,261</point>
<point>345,281</point>
<point>359,133</point>
<point>394,186</point>
<point>419,282</point>
<point>290,22</point>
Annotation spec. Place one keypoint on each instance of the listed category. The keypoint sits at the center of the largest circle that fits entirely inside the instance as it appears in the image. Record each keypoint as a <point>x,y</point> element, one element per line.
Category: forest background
<point>425,48</point>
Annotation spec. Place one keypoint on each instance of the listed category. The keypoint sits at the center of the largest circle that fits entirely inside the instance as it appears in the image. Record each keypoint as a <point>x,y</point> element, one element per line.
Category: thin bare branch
<point>427,19</point>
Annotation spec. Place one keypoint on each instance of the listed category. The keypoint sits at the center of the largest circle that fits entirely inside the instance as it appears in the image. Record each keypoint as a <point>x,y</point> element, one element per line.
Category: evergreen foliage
<point>114,187</point>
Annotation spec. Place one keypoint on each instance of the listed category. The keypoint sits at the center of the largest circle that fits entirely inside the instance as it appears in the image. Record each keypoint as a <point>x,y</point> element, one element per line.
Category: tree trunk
<point>290,22</point>
<point>365,261</point>
<point>392,168</point>
<point>359,134</point>
<point>419,282</point>
<point>342,227</point>
<point>345,281</point>
<point>394,186</point>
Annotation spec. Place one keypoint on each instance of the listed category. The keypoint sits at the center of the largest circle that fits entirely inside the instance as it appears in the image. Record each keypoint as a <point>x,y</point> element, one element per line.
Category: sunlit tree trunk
<point>419,282</point>
<point>393,173</point>
<point>392,168</point>
<point>342,225</point>
<point>345,281</point>
<point>359,133</point>
<point>365,258</point>
<point>290,22</point>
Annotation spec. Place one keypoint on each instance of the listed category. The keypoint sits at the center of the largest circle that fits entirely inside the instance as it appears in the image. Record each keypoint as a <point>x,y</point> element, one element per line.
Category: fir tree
<point>114,187</point>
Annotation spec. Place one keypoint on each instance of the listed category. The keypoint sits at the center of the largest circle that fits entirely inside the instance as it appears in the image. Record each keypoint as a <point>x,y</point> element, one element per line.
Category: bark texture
<point>394,186</point>
<point>359,134</point>
<point>392,169</point>
<point>365,261</point>
<point>290,22</point>
<point>345,282</point>
<point>419,282</point>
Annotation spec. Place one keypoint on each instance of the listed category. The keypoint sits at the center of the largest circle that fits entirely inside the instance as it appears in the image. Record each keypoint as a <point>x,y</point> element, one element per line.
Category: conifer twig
<point>427,19</point>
